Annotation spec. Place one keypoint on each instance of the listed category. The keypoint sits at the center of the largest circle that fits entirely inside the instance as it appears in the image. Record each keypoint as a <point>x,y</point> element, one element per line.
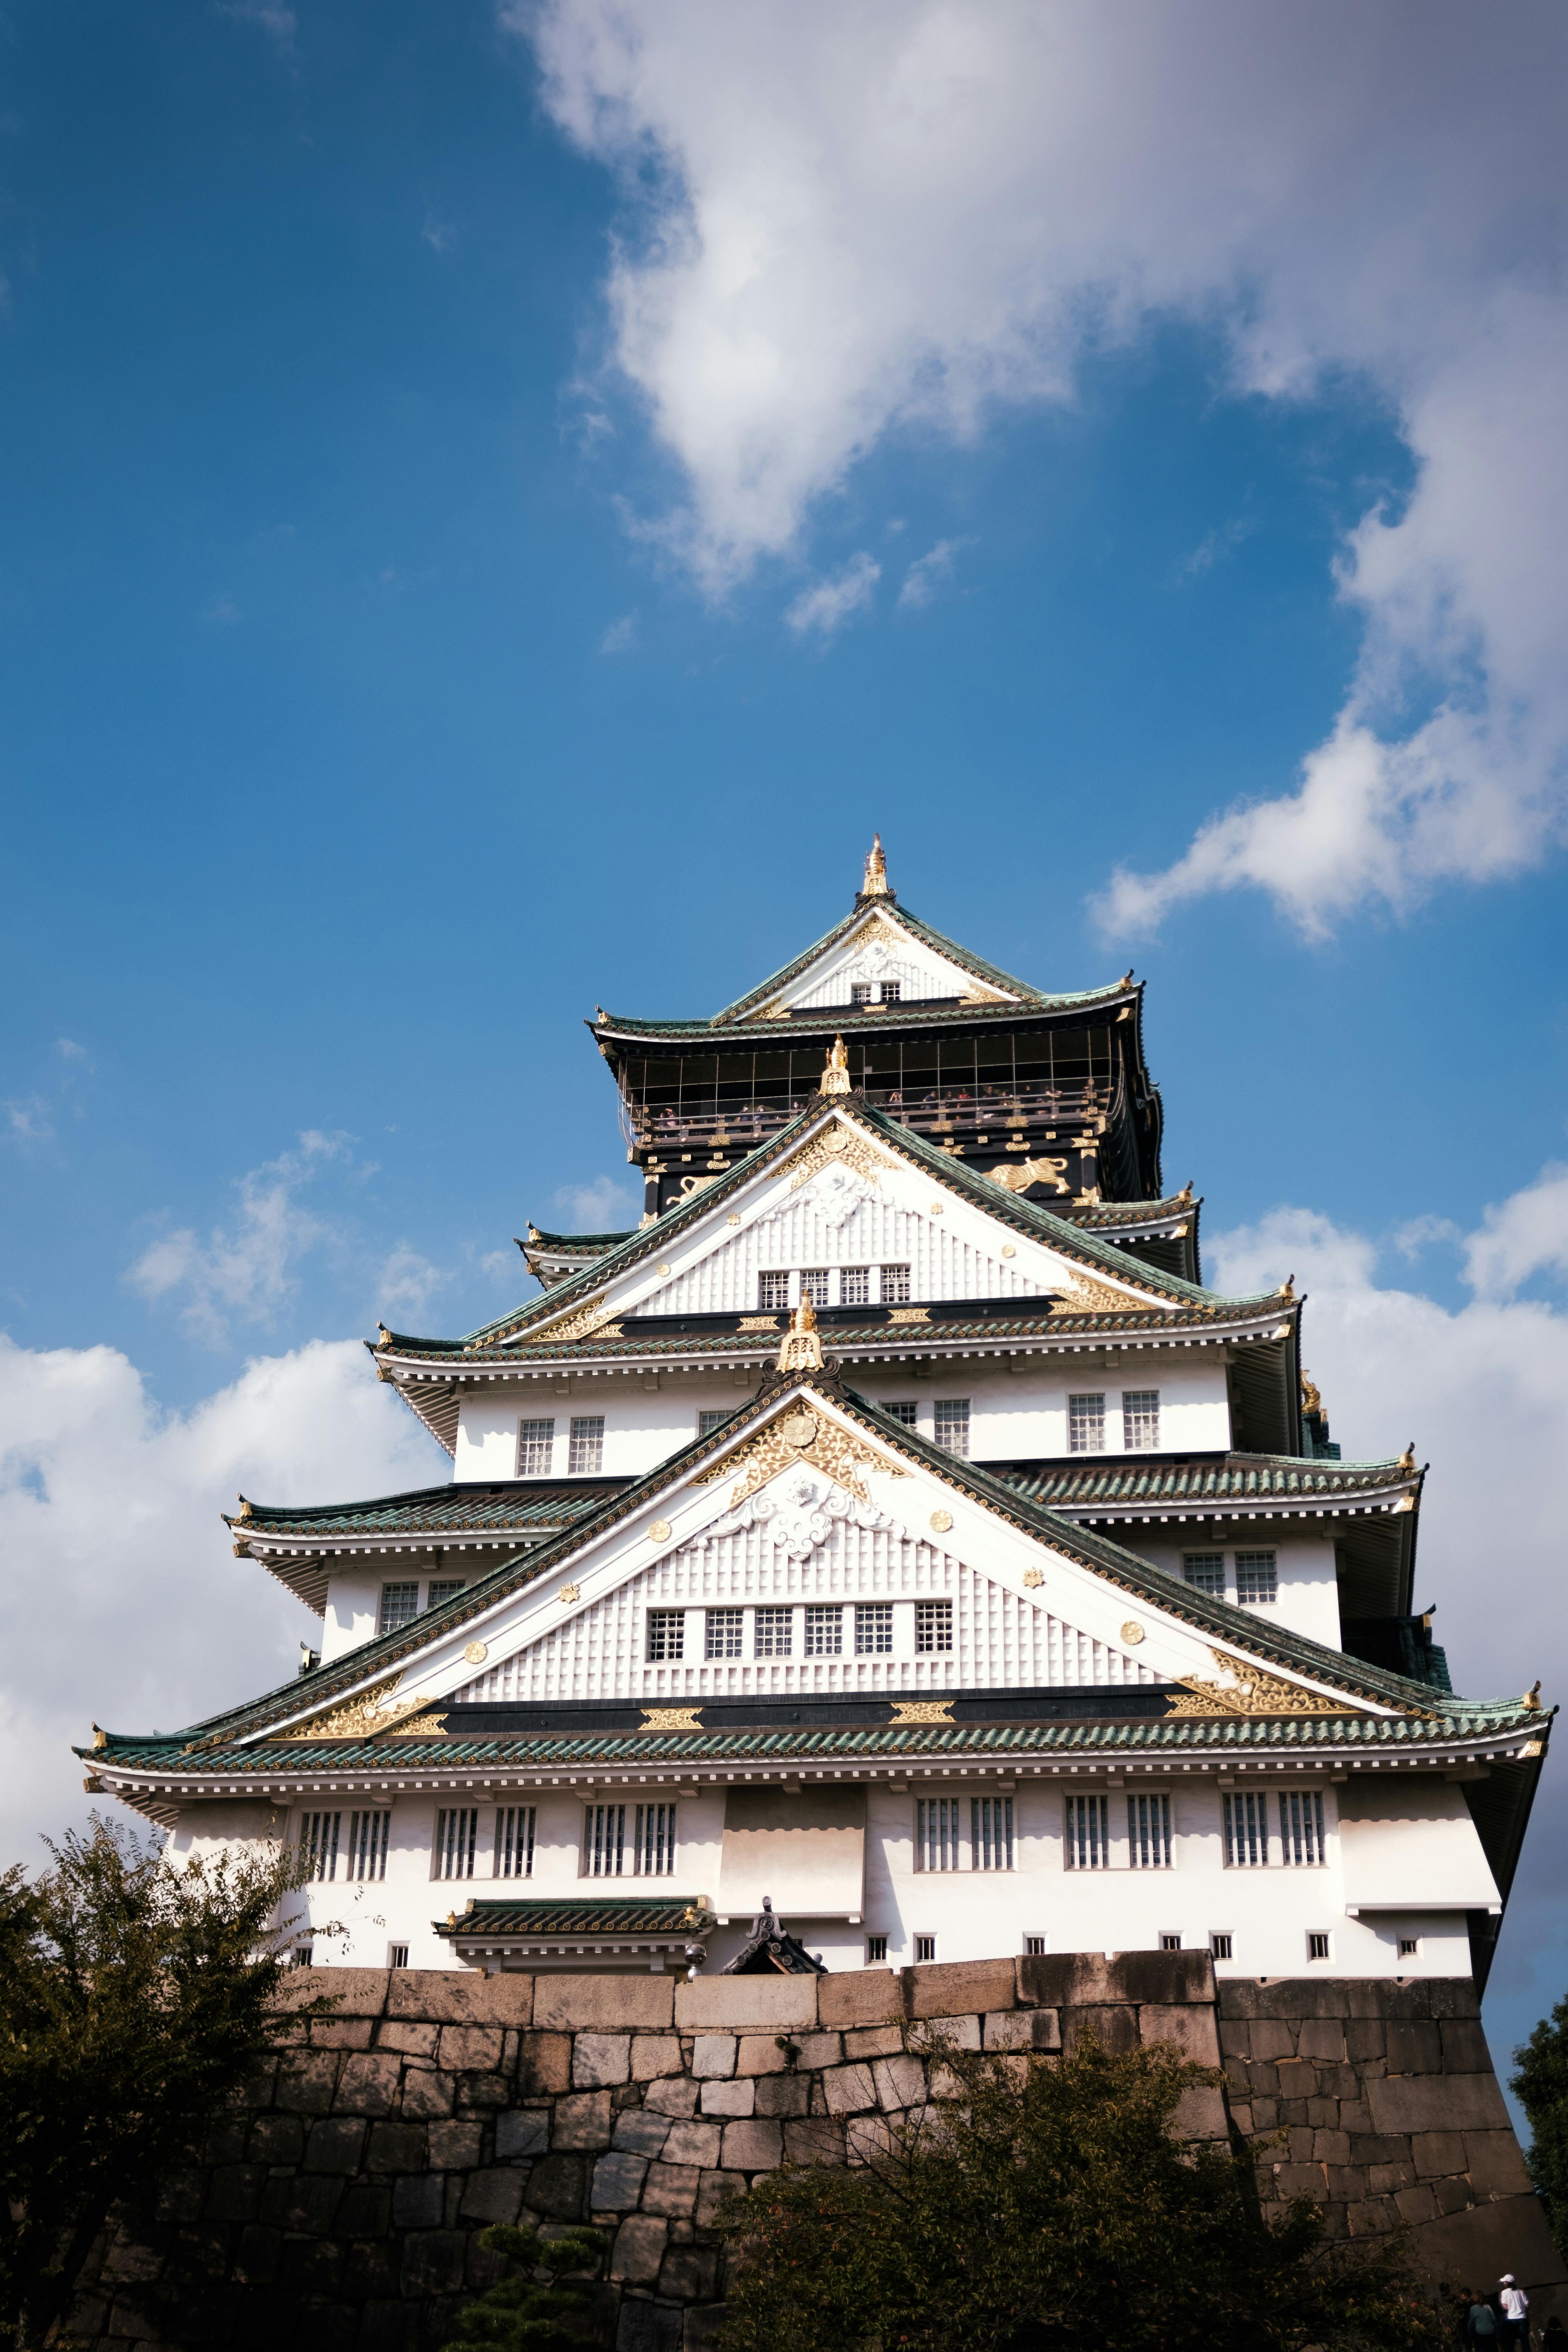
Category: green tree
<point>526,2314</point>
<point>1539,2083</point>
<point>1048,2205</point>
<point>134,1995</point>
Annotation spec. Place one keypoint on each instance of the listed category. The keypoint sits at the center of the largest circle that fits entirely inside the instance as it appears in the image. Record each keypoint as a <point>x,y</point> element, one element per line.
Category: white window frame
<point>1149,1841</point>
<point>873,1629</point>
<point>933,1618</point>
<point>1245,1823</point>
<point>1086,1430</point>
<point>370,1828</point>
<point>1261,1564</point>
<point>535,1437</point>
<point>657,1630</point>
<point>939,1844</point>
<point>1303,1845</point>
<point>1086,1830</point>
<point>1136,1409</point>
<point>513,1854</point>
<point>769,1279</point>
<point>723,1626</point>
<point>653,1840</point>
<point>1211,1563</point>
<point>893,1285</point>
<point>386,1623</point>
<point>958,1412</point>
<point>855,1277</point>
<point>603,1849</point>
<point>829,1618</point>
<point>454,1850</point>
<point>771,1617</point>
<point>991,1846</point>
<point>587,1438</point>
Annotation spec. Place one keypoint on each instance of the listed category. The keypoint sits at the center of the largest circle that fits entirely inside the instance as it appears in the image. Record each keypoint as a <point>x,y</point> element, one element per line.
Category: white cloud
<point>843,224</point>
<point>28,1118</point>
<point>602,1206</point>
<point>621,636</point>
<point>123,1601</point>
<point>825,607</point>
<point>247,1270</point>
<point>439,236</point>
<point>929,572</point>
<point>280,24</point>
<point>1527,1234</point>
<point>1214,546</point>
<point>409,1280</point>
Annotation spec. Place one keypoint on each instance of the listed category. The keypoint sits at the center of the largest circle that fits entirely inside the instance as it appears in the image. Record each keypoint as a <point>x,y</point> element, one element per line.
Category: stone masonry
<point>338,2201</point>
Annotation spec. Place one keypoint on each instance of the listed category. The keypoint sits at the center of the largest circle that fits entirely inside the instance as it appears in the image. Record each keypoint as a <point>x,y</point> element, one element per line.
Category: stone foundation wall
<point>338,2201</point>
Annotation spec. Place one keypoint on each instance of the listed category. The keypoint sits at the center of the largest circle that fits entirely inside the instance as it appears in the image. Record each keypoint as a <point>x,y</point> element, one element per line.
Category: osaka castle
<point>891,1550</point>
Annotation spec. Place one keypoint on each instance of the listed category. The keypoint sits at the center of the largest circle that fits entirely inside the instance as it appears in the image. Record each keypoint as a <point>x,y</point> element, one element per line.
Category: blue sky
<point>433,601</point>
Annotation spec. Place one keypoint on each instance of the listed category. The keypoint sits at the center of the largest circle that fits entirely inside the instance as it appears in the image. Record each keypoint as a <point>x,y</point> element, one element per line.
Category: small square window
<point>442,1587</point>
<point>397,1955</point>
<point>816,1281</point>
<point>895,1285</point>
<point>535,1444</point>
<point>933,1627</point>
<point>1205,1571</point>
<point>1139,1420</point>
<point>1169,1941</point>
<point>1257,1578</point>
<point>772,1292</point>
<point>873,1629</point>
<point>859,992</point>
<point>906,1410</point>
<point>876,1950</point>
<point>855,1285</point>
<point>1316,1944</point>
<point>1086,1425</point>
<point>399,1606</point>
<point>823,1630</point>
<point>666,1634</point>
<point>1033,1947</point>
<point>1221,1943</point>
<point>773,1632</point>
<point>1410,1948</point>
<point>722,1633</point>
<point>953,1425</point>
<point>925,1947</point>
<point>709,1419</point>
<point>585,1454</point>
<point>302,1956</point>
<point>891,990</point>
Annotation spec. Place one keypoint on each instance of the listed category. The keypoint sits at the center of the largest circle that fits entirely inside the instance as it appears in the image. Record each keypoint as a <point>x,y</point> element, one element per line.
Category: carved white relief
<point>797,1512</point>
<point>833,1193</point>
<point>874,962</point>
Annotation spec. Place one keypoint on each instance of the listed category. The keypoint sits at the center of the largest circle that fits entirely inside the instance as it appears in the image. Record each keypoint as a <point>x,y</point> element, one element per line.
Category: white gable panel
<point>880,951</point>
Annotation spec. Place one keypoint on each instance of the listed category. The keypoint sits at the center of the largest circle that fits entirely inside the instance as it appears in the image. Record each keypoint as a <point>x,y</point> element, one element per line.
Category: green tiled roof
<point>505,1504</point>
<point>575,1242</point>
<point>669,1916</point>
<point>1132,1479</point>
<point>1106,1216</point>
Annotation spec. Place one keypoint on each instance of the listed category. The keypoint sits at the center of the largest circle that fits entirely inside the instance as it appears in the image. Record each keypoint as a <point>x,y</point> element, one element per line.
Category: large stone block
<point>946,2033</point>
<point>645,2326</point>
<point>867,1997</point>
<point>433,2262</point>
<point>303,2205</point>
<point>427,2093</point>
<point>1200,2113</point>
<point>849,2090</point>
<point>655,2054</point>
<point>276,2139</point>
<point>617,2183</point>
<point>334,2145</point>
<point>1495,2165</point>
<point>671,2188</point>
<point>1452,1997</point>
<point>901,2082</point>
<point>713,2057</point>
<point>1021,2029</point>
<point>543,2064</point>
<point>469,2049</point>
<point>1465,2049</point>
<point>678,2097</point>
<point>1414,2046</point>
<point>689,2274</point>
<point>1482,2242</point>
<point>521,2132</point>
<point>395,2148</point>
<point>495,2195</point>
<point>458,1997</point>
<point>409,2037</point>
<point>341,2033</point>
<point>712,2190</point>
<point>355,1992</point>
<point>601,2059</point>
<point>582,2121</point>
<point>882,2041</point>
<point>762,2053</point>
<point>641,2131</point>
<point>1290,1997</point>
<point>693,2143</point>
<point>952,1988</point>
<point>815,2140</point>
<point>558,2186</point>
<point>730,2005</point>
<point>755,2146</point>
<point>733,2098</point>
<point>368,2082</point>
<point>1426,2103</point>
<point>1188,2024</point>
<point>306,2082</point>
<point>784,2094</point>
<point>619,2004</point>
<point>454,2147</point>
<point>1116,2029</point>
<point>1324,2038</point>
<point>637,2254</point>
<point>1437,2152</point>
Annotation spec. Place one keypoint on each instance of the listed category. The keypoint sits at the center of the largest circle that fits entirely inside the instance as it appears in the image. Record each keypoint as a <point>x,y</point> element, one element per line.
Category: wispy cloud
<point>824,609</point>
<point>280,24</point>
<point>601,1206</point>
<point>929,572</point>
<point>1214,546</point>
<point>621,636</point>
<point>409,1280</point>
<point>28,1118</point>
<point>223,612</point>
<point>439,236</point>
<point>69,1051</point>
<point>248,1270</point>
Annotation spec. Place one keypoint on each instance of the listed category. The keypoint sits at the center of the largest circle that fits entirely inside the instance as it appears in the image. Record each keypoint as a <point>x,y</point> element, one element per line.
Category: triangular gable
<point>877,950</point>
<point>982,981</point>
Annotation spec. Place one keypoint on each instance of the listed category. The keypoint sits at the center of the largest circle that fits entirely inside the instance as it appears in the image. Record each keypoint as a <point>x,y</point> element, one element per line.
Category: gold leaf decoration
<point>1083,1296</point>
<point>922,1710</point>
<point>1246,1690</point>
<point>423,1726</point>
<point>672,1719</point>
<point>839,1147</point>
<point>590,1317</point>
<point>799,1436</point>
<point>357,1719</point>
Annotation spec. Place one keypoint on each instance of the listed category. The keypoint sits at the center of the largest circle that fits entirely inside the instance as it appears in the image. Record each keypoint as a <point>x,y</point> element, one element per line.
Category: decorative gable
<point>875,953</point>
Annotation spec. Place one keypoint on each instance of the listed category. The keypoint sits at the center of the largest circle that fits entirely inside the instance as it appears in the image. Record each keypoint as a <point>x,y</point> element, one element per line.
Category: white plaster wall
<point>1309,1600</point>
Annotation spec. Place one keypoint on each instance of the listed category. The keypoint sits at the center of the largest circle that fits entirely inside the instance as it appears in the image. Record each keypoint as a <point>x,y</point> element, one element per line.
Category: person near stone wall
<point>1515,2304</point>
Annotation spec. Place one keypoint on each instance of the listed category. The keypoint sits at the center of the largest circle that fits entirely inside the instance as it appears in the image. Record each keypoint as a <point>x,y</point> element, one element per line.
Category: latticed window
<point>1088,1832</point>
<point>773,1632</point>
<point>873,1629</point>
<point>891,990</point>
<point>666,1634</point>
<point>603,1841</point>
<point>1246,1831</point>
<point>1149,1831</point>
<point>936,1833</point>
<point>442,1587</point>
<point>772,1292</point>
<point>514,1841</point>
<point>933,1627</point>
<point>855,1285</point>
<point>991,1833</point>
<point>319,1845</point>
<point>907,1412</point>
<point>535,1445</point>
<point>815,1283</point>
<point>457,1837</point>
<point>399,1606</point>
<point>585,1453</point>
<point>1086,1425</point>
<point>655,1841</point>
<point>823,1630</point>
<point>1257,1577</point>
<point>723,1633</point>
<point>953,1425</point>
<point>367,1844</point>
<point>859,992</point>
<point>1205,1571</point>
<point>1140,1419</point>
<point>895,1285</point>
<point>708,1420</point>
<point>1301,1827</point>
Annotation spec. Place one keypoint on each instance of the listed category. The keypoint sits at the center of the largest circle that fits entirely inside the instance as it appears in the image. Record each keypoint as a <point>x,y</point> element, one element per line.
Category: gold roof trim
<point>799,1435</point>
<point>372,1710</point>
<point>1245,1689</point>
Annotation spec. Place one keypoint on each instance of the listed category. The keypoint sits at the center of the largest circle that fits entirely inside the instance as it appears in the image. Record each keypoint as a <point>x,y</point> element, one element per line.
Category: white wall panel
<point>942,1264</point>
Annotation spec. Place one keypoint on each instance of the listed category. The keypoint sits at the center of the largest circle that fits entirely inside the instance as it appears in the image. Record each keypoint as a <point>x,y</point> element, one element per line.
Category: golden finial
<point>800,1351</point>
<point>1406,1461</point>
<point>1311,1397</point>
<point>386,1338</point>
<point>244,1511</point>
<point>1287,1288</point>
<point>1187,1191</point>
<point>1533,1696</point>
<point>835,1079</point>
<point>875,885</point>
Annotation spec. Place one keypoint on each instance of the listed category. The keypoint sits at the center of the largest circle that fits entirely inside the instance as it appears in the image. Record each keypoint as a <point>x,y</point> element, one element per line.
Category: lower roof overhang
<point>532,1934</point>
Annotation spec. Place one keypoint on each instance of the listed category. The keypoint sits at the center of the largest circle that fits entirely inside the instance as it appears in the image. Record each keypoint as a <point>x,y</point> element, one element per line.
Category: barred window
<point>876,1950</point>
<point>925,1947</point>
<point>933,1627</point>
<point>773,1633</point>
<point>1205,1571</point>
<point>1247,1831</point>
<point>1140,1419</point>
<point>514,1841</point>
<point>815,1283</point>
<point>1301,1827</point>
<point>859,992</point>
<point>367,1844</point>
<point>1088,1832</point>
<point>991,1833</point>
<point>709,1419</point>
<point>891,990</point>
<point>907,1411</point>
<point>457,1836</point>
<point>873,1629</point>
<point>603,1841</point>
<point>1257,1577</point>
<point>823,1630</point>
<point>1171,1940</point>
<point>772,1292</point>
<point>442,1587</point>
<point>535,1447</point>
<point>655,1842</point>
<point>936,1833</point>
<point>1149,1831</point>
<point>953,1425</point>
<point>319,1845</point>
<point>585,1453</point>
<point>666,1635</point>
<point>895,1285</point>
<point>1317,1945</point>
<point>399,1606</point>
<point>1033,1945</point>
<point>1222,1945</point>
<point>722,1633</point>
<point>397,1955</point>
<point>1086,1425</point>
<point>855,1285</point>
